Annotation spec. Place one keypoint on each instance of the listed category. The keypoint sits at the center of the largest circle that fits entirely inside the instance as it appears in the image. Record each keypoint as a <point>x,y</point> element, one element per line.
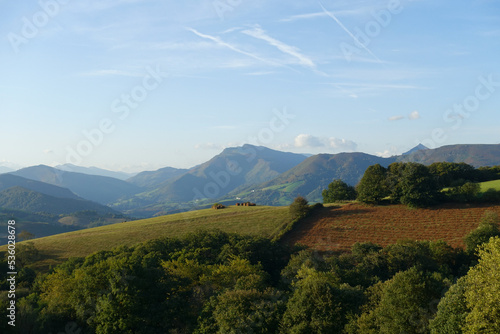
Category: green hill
<point>310,177</point>
<point>18,198</point>
<point>495,185</point>
<point>259,221</point>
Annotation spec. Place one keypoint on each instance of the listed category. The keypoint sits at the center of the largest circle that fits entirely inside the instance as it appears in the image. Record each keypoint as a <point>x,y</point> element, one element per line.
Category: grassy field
<point>338,228</point>
<point>490,185</point>
<point>259,221</point>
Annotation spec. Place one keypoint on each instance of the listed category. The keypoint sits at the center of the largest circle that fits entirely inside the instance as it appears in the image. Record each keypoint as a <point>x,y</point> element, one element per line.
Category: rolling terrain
<point>259,221</point>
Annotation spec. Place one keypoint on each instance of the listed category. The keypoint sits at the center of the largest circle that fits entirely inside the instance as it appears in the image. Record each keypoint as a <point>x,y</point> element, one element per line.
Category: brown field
<point>338,228</point>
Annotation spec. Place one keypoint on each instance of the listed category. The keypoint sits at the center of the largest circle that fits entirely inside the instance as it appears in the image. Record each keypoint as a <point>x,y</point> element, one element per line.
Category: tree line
<point>417,185</point>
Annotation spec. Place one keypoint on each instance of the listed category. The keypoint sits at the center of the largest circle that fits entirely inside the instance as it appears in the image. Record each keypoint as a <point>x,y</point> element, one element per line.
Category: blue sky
<point>138,85</point>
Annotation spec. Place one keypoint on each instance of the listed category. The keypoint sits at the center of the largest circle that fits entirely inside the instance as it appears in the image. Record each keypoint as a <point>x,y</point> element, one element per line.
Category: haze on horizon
<point>139,85</point>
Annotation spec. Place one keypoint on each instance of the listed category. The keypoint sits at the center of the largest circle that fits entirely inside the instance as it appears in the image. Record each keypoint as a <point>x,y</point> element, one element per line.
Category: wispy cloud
<point>356,40</point>
<point>217,40</point>
<point>414,115</point>
<point>99,73</point>
<point>293,51</point>
<point>396,118</point>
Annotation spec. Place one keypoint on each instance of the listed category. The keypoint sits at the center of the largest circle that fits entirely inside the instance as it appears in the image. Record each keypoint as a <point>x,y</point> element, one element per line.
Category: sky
<point>137,85</point>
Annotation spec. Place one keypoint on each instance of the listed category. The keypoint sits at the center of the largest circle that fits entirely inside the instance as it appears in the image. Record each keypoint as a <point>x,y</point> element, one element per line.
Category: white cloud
<point>396,118</point>
<point>304,140</point>
<point>414,115</point>
<point>337,144</point>
<point>208,146</point>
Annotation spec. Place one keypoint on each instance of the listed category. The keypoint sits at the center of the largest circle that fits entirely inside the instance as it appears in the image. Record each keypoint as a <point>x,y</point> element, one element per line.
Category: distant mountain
<point>310,177</point>
<point>475,155</point>
<point>18,198</point>
<point>155,178</point>
<point>233,168</point>
<point>9,181</point>
<point>417,148</point>
<point>4,169</point>
<point>95,171</point>
<point>101,189</point>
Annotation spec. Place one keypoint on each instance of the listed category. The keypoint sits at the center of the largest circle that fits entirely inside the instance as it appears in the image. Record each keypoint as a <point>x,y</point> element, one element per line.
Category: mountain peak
<point>419,147</point>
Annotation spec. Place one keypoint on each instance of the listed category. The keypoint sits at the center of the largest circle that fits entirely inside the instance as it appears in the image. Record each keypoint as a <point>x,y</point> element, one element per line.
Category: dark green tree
<point>337,191</point>
<point>373,186</point>
<point>418,186</point>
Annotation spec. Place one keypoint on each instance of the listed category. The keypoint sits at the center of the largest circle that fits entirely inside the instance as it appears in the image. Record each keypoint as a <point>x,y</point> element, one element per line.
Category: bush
<point>488,227</point>
<point>299,208</point>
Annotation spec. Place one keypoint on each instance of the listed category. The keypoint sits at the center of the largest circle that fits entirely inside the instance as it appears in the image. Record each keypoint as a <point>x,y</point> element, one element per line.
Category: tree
<point>299,208</point>
<point>373,187</point>
<point>319,304</point>
<point>482,293</point>
<point>403,304</point>
<point>452,310</point>
<point>418,186</point>
<point>25,235</point>
<point>338,190</point>
<point>488,227</point>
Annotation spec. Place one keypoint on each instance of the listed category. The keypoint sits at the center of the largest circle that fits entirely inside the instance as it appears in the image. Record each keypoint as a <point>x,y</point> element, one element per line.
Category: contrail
<point>348,32</point>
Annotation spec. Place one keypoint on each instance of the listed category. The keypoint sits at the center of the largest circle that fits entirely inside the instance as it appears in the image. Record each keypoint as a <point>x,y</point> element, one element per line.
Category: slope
<point>95,171</point>
<point>338,228</point>
<point>311,176</point>
<point>259,221</point>
<point>18,198</point>
<point>233,168</point>
<point>153,179</point>
<point>475,155</point>
<point>95,188</point>
<point>9,181</point>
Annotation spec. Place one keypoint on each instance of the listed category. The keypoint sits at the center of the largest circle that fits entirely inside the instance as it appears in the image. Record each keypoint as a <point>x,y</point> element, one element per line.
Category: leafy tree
<point>337,191</point>
<point>299,208</point>
<point>482,292</point>
<point>373,186</point>
<point>465,193</point>
<point>25,235</point>
<point>319,304</point>
<point>394,176</point>
<point>452,311</point>
<point>403,304</point>
<point>488,227</point>
<point>418,186</point>
<point>452,174</point>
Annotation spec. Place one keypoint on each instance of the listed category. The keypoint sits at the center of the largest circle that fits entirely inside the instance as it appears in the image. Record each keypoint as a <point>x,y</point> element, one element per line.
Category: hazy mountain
<point>4,169</point>
<point>95,171</point>
<point>417,148</point>
<point>95,188</point>
<point>475,155</point>
<point>310,177</point>
<point>18,198</point>
<point>154,179</point>
<point>234,167</point>
<point>9,181</point>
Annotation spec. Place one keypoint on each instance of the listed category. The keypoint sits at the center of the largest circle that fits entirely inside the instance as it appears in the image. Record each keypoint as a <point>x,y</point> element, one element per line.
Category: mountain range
<point>238,174</point>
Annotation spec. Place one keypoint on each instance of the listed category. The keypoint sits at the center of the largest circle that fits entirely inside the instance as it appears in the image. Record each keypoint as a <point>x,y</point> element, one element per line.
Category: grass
<point>259,221</point>
<point>490,185</point>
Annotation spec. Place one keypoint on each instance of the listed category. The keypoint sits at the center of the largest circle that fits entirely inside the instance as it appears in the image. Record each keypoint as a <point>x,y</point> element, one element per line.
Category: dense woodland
<point>215,282</point>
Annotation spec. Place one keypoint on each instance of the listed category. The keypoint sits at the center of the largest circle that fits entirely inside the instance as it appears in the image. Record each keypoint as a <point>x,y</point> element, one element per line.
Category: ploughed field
<point>337,228</point>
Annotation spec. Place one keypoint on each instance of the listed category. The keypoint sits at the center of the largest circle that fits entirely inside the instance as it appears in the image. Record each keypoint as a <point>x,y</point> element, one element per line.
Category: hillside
<point>154,179</point>
<point>338,228</point>
<point>101,189</point>
<point>18,198</point>
<point>234,167</point>
<point>310,177</point>
<point>95,171</point>
<point>259,221</point>
<point>475,155</point>
<point>9,181</point>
